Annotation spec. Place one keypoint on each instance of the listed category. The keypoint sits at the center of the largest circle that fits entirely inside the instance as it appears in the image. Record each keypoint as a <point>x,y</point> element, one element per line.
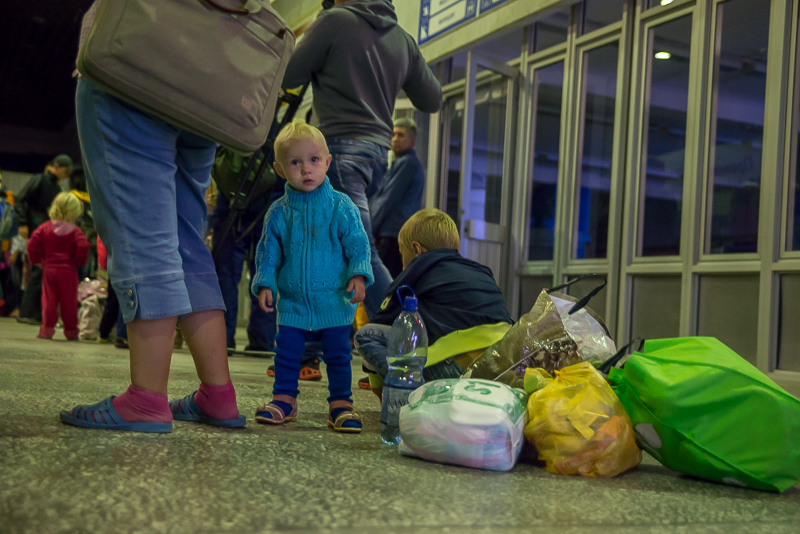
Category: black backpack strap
<point>585,300</point>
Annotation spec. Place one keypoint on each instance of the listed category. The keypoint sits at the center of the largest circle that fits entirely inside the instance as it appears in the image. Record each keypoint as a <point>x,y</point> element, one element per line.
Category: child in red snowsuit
<point>62,248</point>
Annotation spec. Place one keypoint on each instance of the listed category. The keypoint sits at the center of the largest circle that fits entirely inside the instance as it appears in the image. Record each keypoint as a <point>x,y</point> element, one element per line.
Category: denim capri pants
<point>147,182</point>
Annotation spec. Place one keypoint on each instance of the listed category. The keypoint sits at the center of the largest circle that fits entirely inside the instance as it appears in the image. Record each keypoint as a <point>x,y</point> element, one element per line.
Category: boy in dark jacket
<point>459,301</point>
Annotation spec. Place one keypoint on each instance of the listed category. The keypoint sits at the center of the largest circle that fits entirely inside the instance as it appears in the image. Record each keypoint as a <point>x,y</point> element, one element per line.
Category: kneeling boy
<point>459,301</point>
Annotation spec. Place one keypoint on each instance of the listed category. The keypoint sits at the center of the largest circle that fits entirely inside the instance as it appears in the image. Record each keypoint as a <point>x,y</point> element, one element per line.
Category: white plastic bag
<point>474,423</point>
<point>90,313</point>
<point>594,343</point>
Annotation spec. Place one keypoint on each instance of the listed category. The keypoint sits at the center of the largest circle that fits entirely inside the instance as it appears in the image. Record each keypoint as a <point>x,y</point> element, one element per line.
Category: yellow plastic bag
<point>577,423</point>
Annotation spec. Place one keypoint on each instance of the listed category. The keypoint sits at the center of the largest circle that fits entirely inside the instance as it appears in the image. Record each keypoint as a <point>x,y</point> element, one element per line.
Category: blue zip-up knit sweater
<point>312,245</point>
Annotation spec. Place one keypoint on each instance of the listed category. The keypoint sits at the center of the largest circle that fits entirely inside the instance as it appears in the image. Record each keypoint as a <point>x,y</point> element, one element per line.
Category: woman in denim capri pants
<point>147,180</point>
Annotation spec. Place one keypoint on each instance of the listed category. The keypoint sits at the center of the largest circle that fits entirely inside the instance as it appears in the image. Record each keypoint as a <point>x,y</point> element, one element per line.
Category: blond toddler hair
<point>65,207</point>
<point>295,131</point>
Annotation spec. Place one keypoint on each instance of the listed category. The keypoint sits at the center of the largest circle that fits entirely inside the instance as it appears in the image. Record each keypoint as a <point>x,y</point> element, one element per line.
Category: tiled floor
<point>301,478</point>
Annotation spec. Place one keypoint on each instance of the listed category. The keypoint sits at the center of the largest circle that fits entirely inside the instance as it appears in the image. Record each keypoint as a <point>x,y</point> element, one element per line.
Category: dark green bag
<point>701,409</point>
<point>230,170</point>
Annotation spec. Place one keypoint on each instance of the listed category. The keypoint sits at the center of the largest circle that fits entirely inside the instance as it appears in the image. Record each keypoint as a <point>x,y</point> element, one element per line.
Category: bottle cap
<point>410,304</point>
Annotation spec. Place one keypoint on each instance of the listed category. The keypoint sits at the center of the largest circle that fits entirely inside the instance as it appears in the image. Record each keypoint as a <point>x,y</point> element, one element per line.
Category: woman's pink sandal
<point>272,414</point>
<point>348,421</point>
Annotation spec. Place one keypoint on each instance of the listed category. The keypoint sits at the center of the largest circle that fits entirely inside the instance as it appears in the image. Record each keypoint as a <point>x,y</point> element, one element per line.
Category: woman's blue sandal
<point>186,409</point>
<point>103,416</point>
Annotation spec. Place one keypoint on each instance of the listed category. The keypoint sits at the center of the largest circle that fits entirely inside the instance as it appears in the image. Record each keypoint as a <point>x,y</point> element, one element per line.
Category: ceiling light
<point>666,2</point>
<point>663,55</point>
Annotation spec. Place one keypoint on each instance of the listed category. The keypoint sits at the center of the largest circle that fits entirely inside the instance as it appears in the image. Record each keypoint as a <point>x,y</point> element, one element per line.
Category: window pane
<point>594,179</point>
<point>740,83</point>
<point>728,311</point>
<point>655,306</point>
<point>657,3</point>
<point>599,13</point>
<point>458,66</point>
<point>451,157</point>
<point>548,90</point>
<point>665,150</point>
<point>551,31</point>
<point>584,287</point>
<point>788,333</point>
<point>530,287</point>
<point>793,234</point>
<point>504,48</point>
<point>485,184</point>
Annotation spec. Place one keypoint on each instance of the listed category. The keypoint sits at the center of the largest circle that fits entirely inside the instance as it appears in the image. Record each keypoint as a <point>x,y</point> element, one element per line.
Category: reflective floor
<point>299,478</point>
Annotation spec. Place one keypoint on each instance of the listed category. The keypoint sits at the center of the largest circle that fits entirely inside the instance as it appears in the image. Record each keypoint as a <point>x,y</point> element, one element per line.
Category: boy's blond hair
<point>431,228</point>
<point>65,207</point>
<point>294,131</point>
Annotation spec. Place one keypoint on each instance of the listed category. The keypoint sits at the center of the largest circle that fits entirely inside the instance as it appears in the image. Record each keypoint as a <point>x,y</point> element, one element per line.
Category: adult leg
<point>389,251</point>
<point>356,166</point>
<point>228,261</point>
<point>49,300</point>
<point>129,159</point>
<point>261,326</point>
<point>372,343</point>
<point>110,313</point>
<point>204,327</point>
<point>68,301</point>
<point>121,330</point>
<point>31,307</point>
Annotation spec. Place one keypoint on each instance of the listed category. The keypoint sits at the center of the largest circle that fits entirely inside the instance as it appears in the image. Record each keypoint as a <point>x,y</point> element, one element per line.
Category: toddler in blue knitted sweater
<point>314,256</point>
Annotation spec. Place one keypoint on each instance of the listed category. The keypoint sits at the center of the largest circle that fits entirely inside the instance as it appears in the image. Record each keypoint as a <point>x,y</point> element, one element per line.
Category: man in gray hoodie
<point>358,60</point>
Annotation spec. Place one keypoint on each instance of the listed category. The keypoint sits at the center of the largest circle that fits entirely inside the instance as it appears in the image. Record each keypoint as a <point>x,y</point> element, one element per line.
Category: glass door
<point>486,163</point>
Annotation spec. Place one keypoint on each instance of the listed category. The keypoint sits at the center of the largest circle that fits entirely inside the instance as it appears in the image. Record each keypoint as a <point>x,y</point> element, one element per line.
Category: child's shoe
<point>46,332</point>
<point>309,370</point>
<point>275,413</point>
<point>343,418</point>
<point>103,340</point>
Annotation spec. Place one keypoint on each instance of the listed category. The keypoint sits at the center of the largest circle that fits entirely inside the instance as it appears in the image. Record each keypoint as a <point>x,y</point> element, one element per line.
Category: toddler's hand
<point>265,299</point>
<point>356,284</point>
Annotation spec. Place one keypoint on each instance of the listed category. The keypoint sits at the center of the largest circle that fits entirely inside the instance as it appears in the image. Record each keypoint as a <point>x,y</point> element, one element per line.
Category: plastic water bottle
<point>408,352</point>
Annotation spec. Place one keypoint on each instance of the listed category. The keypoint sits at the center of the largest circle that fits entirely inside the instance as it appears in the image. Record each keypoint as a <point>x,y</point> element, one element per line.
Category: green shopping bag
<point>701,409</point>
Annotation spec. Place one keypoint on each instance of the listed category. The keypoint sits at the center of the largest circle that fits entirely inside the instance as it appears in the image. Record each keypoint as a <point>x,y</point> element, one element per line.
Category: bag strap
<point>612,361</point>
<point>229,10</point>
<point>585,300</point>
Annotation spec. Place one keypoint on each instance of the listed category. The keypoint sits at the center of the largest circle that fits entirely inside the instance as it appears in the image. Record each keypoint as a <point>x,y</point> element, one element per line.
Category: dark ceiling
<point>38,45</point>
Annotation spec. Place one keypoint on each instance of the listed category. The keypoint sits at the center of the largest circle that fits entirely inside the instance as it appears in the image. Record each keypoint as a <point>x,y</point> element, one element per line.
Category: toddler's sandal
<point>186,409</point>
<point>272,414</point>
<point>340,423</point>
<point>103,416</point>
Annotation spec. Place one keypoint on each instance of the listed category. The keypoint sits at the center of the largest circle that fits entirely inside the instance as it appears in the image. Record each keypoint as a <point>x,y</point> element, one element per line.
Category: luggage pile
<point>691,403</point>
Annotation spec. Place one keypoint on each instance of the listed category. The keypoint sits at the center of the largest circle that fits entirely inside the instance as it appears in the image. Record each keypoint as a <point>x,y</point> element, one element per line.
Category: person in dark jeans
<point>230,252</point>
<point>358,59</point>
<point>111,311</point>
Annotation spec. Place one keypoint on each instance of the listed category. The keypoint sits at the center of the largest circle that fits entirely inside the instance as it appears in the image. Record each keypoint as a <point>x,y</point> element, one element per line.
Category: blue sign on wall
<point>438,16</point>
<point>489,4</point>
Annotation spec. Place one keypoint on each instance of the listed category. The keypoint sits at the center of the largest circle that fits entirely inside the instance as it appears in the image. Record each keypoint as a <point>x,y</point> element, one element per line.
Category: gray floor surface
<point>302,477</point>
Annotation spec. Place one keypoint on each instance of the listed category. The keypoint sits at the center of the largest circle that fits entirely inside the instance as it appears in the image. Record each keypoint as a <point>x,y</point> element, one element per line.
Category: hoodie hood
<point>62,227</point>
<point>378,13</point>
